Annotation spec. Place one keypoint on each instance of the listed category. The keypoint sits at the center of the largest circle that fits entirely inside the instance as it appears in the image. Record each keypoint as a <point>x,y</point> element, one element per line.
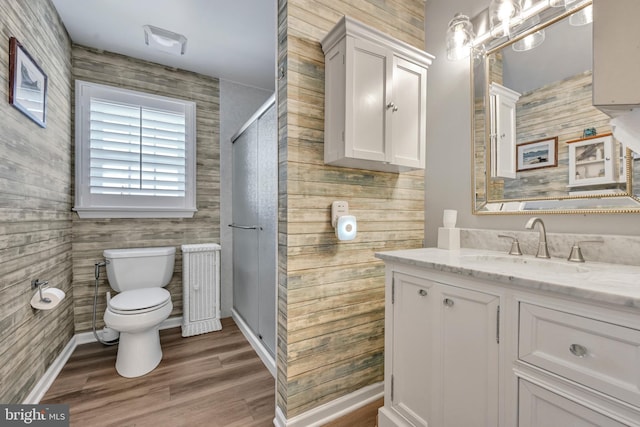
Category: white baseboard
<point>41,387</point>
<point>263,354</point>
<point>333,410</point>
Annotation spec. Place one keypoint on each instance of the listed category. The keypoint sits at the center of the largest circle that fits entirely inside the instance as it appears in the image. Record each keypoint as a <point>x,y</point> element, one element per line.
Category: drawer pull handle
<point>578,350</point>
<point>448,302</point>
<point>422,293</point>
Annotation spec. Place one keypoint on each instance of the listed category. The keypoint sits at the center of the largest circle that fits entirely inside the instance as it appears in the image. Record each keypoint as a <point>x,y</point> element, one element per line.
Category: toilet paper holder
<point>344,224</point>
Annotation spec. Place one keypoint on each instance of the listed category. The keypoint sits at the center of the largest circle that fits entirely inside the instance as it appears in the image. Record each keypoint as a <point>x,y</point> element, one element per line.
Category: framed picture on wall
<point>539,154</point>
<point>27,84</point>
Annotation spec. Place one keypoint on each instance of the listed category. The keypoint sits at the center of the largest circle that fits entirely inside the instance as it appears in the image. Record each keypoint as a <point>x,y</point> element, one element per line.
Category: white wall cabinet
<point>443,359</point>
<point>616,55</point>
<point>592,161</point>
<point>375,100</point>
<point>503,102</point>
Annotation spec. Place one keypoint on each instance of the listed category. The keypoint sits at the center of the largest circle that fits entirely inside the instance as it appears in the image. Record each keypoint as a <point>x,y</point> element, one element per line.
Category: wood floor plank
<point>214,379</point>
<point>367,416</point>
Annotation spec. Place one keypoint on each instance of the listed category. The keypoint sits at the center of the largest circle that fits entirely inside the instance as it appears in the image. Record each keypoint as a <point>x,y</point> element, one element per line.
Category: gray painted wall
<point>447,175</point>
<point>237,105</point>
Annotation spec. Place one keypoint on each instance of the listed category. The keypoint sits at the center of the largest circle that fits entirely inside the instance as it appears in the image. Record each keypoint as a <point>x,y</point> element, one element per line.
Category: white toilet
<point>139,276</point>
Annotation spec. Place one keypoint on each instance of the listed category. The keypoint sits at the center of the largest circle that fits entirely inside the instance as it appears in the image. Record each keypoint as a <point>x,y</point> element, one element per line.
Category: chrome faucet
<point>543,250</point>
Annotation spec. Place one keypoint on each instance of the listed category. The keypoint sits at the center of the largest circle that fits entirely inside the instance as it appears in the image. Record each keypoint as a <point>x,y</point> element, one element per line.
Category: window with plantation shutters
<point>135,154</point>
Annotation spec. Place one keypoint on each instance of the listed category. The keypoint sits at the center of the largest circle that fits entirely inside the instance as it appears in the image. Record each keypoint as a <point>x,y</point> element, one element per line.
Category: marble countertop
<point>599,282</point>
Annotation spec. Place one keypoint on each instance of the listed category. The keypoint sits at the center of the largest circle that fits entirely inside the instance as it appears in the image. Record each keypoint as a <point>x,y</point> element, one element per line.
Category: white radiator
<point>200,289</point>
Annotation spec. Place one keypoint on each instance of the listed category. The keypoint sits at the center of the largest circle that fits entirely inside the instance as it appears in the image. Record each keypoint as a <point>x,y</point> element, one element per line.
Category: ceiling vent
<point>165,40</point>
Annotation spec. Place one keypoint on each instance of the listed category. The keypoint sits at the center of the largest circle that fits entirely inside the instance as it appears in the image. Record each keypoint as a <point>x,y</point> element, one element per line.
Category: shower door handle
<point>245,227</point>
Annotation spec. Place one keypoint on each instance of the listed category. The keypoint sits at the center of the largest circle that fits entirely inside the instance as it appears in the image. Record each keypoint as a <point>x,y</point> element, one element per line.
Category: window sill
<point>134,212</point>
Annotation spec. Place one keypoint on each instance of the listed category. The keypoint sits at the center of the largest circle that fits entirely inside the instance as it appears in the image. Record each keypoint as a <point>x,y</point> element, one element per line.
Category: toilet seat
<point>138,301</point>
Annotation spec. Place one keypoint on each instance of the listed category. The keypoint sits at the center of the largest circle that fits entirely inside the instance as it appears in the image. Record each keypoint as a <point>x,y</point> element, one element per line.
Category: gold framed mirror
<point>538,143</point>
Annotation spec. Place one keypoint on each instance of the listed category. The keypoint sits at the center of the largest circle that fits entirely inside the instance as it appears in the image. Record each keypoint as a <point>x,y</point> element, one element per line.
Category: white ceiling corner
<point>233,40</point>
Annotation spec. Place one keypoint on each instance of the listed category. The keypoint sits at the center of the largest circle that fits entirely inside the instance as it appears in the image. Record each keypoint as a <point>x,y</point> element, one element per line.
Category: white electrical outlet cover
<point>338,208</point>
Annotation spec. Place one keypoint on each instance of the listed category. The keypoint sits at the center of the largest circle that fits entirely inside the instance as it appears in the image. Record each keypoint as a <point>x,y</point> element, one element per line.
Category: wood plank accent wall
<point>92,236</point>
<point>331,295</point>
<point>35,202</point>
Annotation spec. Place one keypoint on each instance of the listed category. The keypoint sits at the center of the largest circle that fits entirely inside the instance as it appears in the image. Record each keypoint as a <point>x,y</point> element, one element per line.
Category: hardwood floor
<point>211,380</point>
<point>367,416</point>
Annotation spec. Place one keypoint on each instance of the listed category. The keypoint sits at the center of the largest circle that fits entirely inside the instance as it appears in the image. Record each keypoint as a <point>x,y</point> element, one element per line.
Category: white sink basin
<point>522,262</point>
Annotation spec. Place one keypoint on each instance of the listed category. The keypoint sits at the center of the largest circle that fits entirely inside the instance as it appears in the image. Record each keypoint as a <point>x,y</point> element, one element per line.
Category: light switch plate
<point>338,208</point>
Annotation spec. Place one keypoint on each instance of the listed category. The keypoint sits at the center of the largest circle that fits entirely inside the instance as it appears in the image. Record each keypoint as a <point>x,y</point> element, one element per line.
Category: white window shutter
<point>136,153</point>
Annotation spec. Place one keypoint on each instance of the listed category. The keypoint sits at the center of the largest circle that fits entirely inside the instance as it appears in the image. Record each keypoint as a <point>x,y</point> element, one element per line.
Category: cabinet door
<point>591,161</point>
<point>365,131</point>
<point>412,343</point>
<point>445,356</point>
<point>539,407</point>
<point>503,131</point>
<point>407,114</point>
<point>616,87</point>
<point>468,359</point>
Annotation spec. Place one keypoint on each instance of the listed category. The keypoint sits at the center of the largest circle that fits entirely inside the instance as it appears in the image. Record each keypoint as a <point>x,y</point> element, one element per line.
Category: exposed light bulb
<point>459,37</point>
<point>501,16</point>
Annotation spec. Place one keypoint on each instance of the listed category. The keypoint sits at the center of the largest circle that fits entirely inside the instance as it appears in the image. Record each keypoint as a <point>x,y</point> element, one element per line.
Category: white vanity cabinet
<point>470,343</point>
<point>375,100</point>
<point>592,161</point>
<point>443,358</point>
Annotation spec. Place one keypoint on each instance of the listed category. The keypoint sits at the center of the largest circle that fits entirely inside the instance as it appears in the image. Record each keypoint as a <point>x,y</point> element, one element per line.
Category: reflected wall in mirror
<point>551,89</point>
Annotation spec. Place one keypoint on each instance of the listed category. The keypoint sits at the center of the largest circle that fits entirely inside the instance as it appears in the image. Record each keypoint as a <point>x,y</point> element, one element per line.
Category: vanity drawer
<point>539,407</point>
<point>597,354</point>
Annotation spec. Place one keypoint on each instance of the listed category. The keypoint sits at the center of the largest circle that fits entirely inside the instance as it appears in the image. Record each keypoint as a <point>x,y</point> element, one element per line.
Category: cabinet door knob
<point>578,350</point>
<point>422,293</point>
<point>448,302</point>
<point>393,106</point>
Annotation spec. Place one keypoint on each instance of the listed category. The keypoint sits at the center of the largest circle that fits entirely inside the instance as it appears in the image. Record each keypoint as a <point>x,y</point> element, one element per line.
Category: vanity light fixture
<point>582,17</point>
<point>496,21</point>
<point>506,14</point>
<point>459,37</point>
<point>502,14</point>
<point>532,40</point>
<point>164,40</point>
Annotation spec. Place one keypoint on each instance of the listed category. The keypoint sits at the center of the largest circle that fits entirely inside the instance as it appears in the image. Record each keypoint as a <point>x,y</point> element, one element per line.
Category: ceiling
<point>233,40</point>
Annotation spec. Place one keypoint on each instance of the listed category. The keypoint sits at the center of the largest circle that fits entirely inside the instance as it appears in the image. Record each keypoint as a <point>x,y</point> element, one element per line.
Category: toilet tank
<point>138,268</point>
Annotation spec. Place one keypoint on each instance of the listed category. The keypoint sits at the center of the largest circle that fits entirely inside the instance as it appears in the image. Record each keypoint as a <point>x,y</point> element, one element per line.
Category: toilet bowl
<point>142,304</point>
